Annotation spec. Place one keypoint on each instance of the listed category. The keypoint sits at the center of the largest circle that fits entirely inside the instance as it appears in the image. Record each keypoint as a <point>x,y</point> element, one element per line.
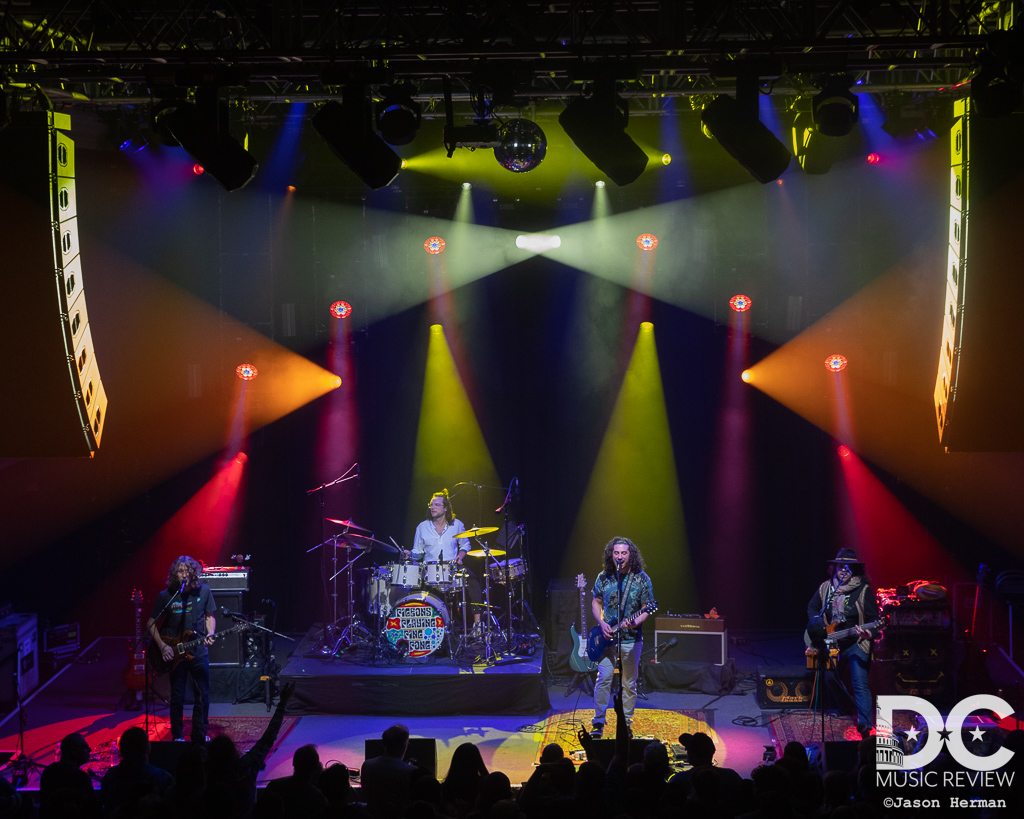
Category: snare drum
<point>442,575</point>
<point>501,571</point>
<point>417,625</point>
<point>407,575</point>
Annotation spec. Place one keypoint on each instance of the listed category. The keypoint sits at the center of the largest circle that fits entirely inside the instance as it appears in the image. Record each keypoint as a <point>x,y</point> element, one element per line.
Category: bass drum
<point>417,625</point>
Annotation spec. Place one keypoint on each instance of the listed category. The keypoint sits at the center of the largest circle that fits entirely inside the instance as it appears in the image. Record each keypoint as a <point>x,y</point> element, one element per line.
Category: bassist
<point>847,599</point>
<point>186,608</point>
<point>620,593</point>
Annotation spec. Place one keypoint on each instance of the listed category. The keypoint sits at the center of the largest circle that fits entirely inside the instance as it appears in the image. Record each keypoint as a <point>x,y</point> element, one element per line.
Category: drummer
<point>435,540</point>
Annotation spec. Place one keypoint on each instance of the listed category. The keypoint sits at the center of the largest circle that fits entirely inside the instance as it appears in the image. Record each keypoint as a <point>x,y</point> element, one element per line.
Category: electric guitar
<point>183,647</point>
<point>597,643</point>
<point>818,633</point>
<point>134,674</point>
<point>579,660</point>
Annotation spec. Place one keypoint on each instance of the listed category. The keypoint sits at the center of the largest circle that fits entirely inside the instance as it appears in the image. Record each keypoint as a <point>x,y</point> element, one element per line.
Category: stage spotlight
<point>599,183</point>
<point>740,303</point>
<point>835,362</point>
<point>241,458</point>
<point>523,146</point>
<point>813,151</point>
<point>467,186</point>
<point>341,309</point>
<point>836,109</point>
<point>246,372</point>
<point>398,114</point>
<point>538,242</point>
<point>994,92</point>
<point>129,131</point>
<point>197,169</point>
<point>434,245</point>
<point>666,159</point>
<point>873,158</point>
<point>201,128</point>
<point>745,137</point>
<point>347,129</point>
<point>745,376</point>
<point>843,450</point>
<point>597,126</point>
<point>647,241</point>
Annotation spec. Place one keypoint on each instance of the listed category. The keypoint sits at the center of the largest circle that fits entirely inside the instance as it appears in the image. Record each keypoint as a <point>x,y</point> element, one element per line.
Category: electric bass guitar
<point>597,644</point>
<point>579,660</point>
<point>183,646</point>
<point>134,674</point>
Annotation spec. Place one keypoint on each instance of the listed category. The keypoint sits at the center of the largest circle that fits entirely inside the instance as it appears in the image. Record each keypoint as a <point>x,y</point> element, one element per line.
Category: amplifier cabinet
<point>698,639</point>
<point>226,578</point>
<point>19,657</point>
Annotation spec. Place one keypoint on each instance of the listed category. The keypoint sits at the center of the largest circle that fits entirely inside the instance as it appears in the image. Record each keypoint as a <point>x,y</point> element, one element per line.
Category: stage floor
<point>84,696</point>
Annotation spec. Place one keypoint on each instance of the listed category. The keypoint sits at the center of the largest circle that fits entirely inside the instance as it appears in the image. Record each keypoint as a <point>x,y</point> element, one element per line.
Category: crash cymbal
<point>351,524</point>
<point>365,542</point>
<point>479,530</point>
<point>486,552</point>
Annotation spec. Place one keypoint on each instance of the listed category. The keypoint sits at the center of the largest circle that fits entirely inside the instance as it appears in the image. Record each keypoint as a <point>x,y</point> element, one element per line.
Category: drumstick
<point>401,551</point>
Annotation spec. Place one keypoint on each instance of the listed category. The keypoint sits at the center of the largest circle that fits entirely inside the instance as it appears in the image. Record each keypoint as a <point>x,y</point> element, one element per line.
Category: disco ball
<point>523,146</point>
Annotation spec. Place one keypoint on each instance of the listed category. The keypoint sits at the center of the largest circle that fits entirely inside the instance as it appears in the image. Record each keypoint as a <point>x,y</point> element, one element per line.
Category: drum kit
<point>402,609</point>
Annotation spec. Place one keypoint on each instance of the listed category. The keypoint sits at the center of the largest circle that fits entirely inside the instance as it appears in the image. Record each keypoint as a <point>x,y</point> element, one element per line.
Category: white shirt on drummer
<point>428,545</point>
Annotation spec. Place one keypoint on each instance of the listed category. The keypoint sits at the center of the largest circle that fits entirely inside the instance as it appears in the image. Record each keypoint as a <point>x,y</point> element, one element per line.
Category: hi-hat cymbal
<point>479,530</point>
<point>486,552</point>
<point>351,524</point>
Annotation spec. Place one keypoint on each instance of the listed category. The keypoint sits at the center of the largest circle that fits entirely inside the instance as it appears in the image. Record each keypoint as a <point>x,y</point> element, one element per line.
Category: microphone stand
<point>321,648</point>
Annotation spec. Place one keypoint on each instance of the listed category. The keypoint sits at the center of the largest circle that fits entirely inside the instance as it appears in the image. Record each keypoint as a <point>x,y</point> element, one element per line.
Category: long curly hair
<point>636,560</point>
<point>194,570</point>
<point>449,513</point>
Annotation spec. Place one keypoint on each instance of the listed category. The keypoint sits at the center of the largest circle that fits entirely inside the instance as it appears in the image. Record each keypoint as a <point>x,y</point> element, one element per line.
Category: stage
<point>357,682</point>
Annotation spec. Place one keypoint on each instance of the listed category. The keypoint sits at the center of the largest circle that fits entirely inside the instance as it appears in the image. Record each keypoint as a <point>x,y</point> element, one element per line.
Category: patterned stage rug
<point>805,727</point>
<point>245,731</point>
<point>562,726</point>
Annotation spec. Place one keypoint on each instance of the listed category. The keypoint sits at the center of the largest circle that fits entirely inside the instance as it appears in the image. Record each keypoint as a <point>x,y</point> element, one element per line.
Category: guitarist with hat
<point>623,598</point>
<point>846,601</point>
<point>186,608</point>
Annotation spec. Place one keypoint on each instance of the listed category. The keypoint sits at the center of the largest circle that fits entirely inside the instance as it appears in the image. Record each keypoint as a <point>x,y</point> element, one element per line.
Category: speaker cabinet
<point>784,686</point>
<point>422,752</point>
<point>228,650</point>
<point>602,751</point>
<point>55,403</point>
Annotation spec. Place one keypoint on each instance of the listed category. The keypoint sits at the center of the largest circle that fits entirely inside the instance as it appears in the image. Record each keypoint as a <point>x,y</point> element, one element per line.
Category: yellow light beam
<point>449,444</point>
<point>633,489</point>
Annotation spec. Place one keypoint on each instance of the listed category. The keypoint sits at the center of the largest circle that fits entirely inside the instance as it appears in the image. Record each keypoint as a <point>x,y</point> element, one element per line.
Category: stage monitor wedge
<point>54,403</point>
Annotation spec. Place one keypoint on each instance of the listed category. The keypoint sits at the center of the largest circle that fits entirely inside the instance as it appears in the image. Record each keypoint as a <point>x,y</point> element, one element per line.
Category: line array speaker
<point>55,404</point>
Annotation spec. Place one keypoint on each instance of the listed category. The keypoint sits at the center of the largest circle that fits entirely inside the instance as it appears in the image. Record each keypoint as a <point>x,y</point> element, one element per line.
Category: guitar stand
<point>582,682</point>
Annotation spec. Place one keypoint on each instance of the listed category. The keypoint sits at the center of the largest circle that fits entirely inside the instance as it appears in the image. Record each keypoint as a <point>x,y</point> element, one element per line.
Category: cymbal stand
<point>354,631</point>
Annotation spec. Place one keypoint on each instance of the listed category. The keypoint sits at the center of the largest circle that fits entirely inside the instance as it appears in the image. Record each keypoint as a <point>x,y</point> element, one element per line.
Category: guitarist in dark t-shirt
<point>186,609</point>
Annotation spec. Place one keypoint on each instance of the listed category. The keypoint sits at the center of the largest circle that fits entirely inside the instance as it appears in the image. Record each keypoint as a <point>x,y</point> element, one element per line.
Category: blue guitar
<point>596,643</point>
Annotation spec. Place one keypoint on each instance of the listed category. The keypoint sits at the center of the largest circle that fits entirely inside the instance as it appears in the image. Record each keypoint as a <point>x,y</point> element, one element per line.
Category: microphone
<point>228,613</point>
<point>182,589</point>
<point>666,647</point>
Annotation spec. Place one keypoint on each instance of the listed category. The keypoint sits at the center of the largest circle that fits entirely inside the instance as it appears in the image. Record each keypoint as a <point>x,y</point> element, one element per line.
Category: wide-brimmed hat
<point>846,557</point>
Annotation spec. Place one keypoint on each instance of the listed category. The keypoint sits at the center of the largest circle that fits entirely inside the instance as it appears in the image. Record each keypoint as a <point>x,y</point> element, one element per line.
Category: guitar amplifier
<point>226,578</point>
<point>699,639</point>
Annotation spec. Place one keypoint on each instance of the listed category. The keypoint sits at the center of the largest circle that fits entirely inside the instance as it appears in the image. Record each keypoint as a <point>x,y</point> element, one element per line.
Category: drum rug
<point>245,731</point>
<point>562,726</point>
<point>806,727</point>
